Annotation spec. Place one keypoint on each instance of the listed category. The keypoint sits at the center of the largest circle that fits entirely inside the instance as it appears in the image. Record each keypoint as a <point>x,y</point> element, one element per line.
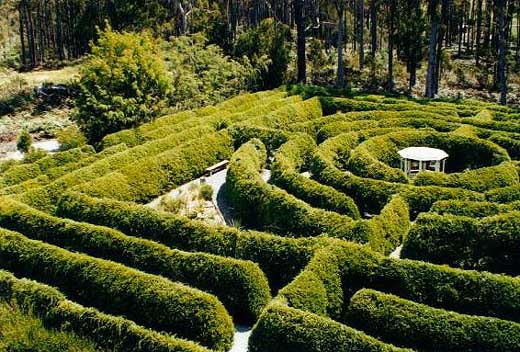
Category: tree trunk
<point>432,49</point>
<point>300,27</point>
<point>340,82</point>
<point>479,33</point>
<point>501,73</point>
<point>391,33</point>
<point>361,33</point>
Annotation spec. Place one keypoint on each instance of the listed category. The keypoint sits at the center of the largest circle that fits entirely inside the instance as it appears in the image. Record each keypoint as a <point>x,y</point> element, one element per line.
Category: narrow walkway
<point>241,339</point>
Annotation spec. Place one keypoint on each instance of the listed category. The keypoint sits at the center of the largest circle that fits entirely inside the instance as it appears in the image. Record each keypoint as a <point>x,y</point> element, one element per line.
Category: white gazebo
<point>417,159</point>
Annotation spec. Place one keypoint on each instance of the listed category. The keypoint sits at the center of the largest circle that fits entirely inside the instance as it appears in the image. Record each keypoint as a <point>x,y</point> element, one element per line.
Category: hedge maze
<point>309,267</point>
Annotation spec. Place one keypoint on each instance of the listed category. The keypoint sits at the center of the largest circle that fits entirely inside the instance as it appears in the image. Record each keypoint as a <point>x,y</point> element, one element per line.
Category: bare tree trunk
<point>300,26</point>
<point>361,33</point>
<point>501,73</point>
<point>340,83</point>
<point>479,33</point>
<point>432,49</point>
<point>391,34</point>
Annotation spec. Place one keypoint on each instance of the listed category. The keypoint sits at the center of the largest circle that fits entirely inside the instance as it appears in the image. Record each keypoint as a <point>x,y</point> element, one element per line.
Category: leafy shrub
<point>206,192</point>
<point>24,142</point>
<point>240,285</point>
<point>117,289</point>
<point>71,137</point>
<point>106,331</point>
<point>123,84</point>
<point>406,323</point>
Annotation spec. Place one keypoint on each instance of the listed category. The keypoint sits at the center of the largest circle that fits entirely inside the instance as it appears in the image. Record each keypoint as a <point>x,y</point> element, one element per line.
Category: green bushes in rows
<point>510,144</point>
<point>463,291</point>
<point>270,252</point>
<point>480,180</point>
<point>147,299</point>
<point>106,331</point>
<point>25,172</point>
<point>285,173</point>
<point>270,137</point>
<point>285,329</point>
<point>472,209</point>
<point>264,206</point>
<point>487,244</point>
<point>240,285</point>
<point>504,195</point>
<point>406,323</point>
<point>152,176</point>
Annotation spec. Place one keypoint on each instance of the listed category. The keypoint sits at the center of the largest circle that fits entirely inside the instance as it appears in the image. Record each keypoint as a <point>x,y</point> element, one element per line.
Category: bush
<point>24,143</point>
<point>285,329</point>
<point>240,285</point>
<point>123,84</point>
<point>106,331</point>
<point>406,323</point>
<point>269,251</point>
<point>70,137</point>
<point>504,195</point>
<point>466,208</point>
<point>148,299</point>
<point>206,192</point>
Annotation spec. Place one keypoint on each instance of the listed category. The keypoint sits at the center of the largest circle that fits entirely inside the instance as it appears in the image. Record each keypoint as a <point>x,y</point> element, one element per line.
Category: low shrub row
<point>440,286</point>
<point>286,169</point>
<point>155,174</point>
<point>473,209</point>
<point>270,252</point>
<point>106,331</point>
<point>285,329</point>
<point>240,285</point>
<point>270,137</point>
<point>263,206</point>
<point>489,243</point>
<point>147,299</point>
<point>406,323</point>
<point>504,195</point>
<point>510,144</point>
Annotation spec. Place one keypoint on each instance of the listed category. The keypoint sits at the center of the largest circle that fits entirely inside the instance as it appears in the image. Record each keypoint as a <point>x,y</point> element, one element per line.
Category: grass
<point>21,332</point>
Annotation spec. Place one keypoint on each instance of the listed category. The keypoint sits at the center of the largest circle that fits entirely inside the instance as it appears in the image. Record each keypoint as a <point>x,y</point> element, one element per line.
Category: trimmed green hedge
<point>406,323</point>
<point>504,195</point>
<point>285,329</point>
<point>490,243</point>
<point>270,252</point>
<point>463,291</point>
<point>240,285</point>
<point>264,206</point>
<point>106,331</point>
<point>150,300</point>
<point>289,161</point>
<point>473,209</point>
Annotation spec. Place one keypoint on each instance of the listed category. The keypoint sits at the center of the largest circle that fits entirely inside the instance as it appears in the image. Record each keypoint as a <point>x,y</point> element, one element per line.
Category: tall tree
<point>299,18</point>
<point>340,8</point>
<point>361,32</point>
<point>392,14</point>
<point>501,71</point>
<point>432,48</point>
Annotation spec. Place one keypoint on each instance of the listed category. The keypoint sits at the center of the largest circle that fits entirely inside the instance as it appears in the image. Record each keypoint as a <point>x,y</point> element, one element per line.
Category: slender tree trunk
<point>373,27</point>
<point>300,26</point>
<point>361,33</point>
<point>501,73</point>
<point>479,33</point>
<point>340,82</point>
<point>391,34</point>
<point>432,49</point>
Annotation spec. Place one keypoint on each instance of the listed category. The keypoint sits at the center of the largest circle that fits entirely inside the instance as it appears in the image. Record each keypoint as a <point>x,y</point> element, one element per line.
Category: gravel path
<point>241,338</point>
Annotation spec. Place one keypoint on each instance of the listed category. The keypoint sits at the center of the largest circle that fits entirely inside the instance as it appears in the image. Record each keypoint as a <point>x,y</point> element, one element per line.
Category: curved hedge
<point>106,331</point>
<point>240,285</point>
<point>406,323</point>
<point>269,251</point>
<point>285,329</point>
<point>473,209</point>
<point>150,300</point>
<point>489,244</point>
<point>285,173</point>
<point>264,206</point>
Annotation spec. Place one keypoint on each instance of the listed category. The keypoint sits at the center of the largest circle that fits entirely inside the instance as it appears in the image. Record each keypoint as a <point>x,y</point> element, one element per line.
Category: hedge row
<point>512,145</point>
<point>406,323</point>
<point>479,180</point>
<point>45,197</point>
<point>440,286</point>
<point>240,285</point>
<point>23,172</point>
<point>261,205</point>
<point>152,176</point>
<point>270,137</point>
<point>286,169</point>
<point>147,299</point>
<point>285,329</point>
<point>504,195</point>
<point>270,252</point>
<point>177,122</point>
<point>473,209</point>
<point>490,243</point>
<point>106,331</point>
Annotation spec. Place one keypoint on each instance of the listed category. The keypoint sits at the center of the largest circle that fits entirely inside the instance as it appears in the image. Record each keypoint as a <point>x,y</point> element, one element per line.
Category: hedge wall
<point>289,161</point>
<point>270,252</point>
<point>473,209</point>
<point>264,206</point>
<point>406,323</point>
<point>463,291</point>
<point>504,195</point>
<point>285,329</point>
<point>487,244</point>
<point>150,300</point>
<point>240,285</point>
<point>106,331</point>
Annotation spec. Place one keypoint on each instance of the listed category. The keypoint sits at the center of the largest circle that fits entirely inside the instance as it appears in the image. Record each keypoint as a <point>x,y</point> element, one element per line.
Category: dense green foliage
<point>123,84</point>
<point>24,142</point>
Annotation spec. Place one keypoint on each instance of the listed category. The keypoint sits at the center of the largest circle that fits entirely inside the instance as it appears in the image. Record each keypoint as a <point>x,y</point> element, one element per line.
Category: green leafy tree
<point>123,84</point>
<point>24,142</point>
